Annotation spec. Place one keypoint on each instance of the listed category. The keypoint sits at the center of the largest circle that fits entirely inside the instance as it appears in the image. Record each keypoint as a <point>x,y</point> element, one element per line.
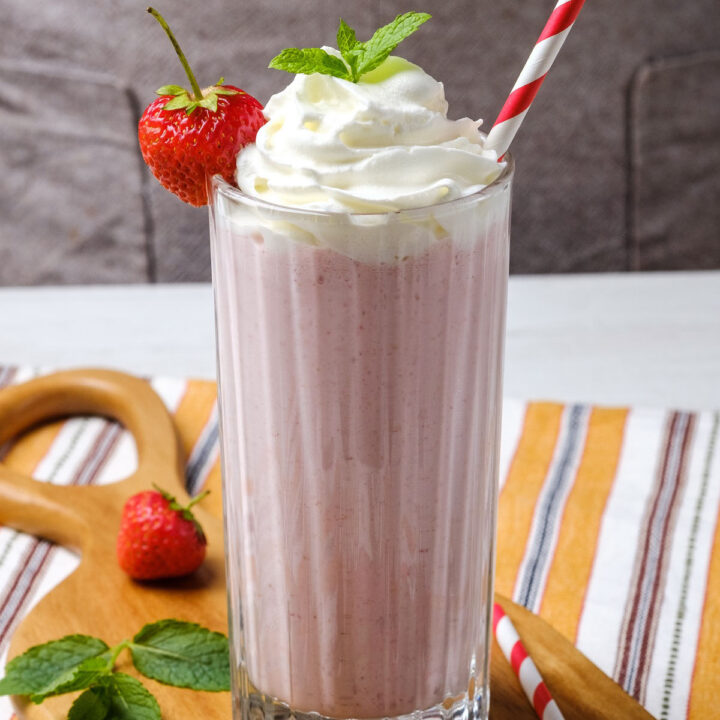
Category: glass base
<point>256,706</point>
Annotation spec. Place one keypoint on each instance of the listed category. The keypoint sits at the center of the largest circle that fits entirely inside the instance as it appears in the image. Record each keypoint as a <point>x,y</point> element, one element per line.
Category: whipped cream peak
<point>381,144</point>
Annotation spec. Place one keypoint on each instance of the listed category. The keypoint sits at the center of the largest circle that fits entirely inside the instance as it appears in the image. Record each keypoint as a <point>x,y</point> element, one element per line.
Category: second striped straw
<point>532,75</point>
<point>522,664</point>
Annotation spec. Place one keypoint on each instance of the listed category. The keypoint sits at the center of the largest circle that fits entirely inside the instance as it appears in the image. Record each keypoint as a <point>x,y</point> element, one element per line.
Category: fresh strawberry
<point>159,538</point>
<point>187,136</point>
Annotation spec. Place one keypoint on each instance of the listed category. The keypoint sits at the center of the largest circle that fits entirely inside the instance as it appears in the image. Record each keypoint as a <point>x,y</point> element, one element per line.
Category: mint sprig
<point>173,652</point>
<point>358,58</point>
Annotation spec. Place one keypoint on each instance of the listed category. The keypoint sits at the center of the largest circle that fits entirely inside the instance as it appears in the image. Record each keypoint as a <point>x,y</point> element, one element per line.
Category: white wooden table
<point>644,339</point>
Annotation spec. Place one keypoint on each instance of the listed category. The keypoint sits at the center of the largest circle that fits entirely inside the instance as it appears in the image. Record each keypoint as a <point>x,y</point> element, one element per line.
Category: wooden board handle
<point>56,512</point>
<point>113,394</point>
<point>39,508</point>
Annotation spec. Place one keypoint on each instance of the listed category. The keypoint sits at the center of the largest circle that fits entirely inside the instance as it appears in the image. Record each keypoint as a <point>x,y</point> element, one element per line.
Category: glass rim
<point>496,186</point>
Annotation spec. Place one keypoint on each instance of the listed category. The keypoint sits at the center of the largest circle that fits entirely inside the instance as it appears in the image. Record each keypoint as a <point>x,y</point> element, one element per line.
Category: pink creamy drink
<point>360,358</point>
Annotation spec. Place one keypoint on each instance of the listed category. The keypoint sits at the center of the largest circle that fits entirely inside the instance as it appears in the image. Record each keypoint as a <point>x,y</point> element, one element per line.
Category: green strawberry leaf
<point>386,39</point>
<point>129,699</point>
<point>168,496</point>
<point>178,102</point>
<point>171,90</point>
<point>44,669</point>
<point>218,89</point>
<point>308,61</point>
<point>183,101</point>
<point>209,102</point>
<point>182,654</point>
<point>185,512</point>
<point>93,704</point>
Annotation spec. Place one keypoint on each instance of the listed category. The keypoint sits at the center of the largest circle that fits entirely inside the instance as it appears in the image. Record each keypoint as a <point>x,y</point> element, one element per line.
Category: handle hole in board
<point>82,450</point>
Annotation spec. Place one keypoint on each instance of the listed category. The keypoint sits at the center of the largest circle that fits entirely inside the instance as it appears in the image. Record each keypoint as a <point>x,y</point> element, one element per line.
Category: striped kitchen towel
<point>607,528</point>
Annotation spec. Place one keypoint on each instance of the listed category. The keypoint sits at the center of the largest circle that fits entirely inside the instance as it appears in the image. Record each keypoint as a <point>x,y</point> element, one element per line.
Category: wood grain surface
<point>99,599</point>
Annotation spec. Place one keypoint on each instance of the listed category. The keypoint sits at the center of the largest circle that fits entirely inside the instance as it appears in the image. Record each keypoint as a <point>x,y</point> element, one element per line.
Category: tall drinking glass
<point>360,369</point>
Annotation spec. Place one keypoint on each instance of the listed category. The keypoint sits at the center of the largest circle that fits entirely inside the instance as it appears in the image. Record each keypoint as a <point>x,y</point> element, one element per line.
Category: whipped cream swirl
<point>381,144</point>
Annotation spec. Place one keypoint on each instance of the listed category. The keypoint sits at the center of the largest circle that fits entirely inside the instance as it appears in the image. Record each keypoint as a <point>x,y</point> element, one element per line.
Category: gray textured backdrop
<point>617,162</point>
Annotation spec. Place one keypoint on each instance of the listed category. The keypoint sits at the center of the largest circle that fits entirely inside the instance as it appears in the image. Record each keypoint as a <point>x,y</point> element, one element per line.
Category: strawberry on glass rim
<point>187,136</point>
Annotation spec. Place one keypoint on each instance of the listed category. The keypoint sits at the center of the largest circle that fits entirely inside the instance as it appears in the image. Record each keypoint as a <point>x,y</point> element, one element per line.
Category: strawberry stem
<point>197,498</point>
<point>193,82</point>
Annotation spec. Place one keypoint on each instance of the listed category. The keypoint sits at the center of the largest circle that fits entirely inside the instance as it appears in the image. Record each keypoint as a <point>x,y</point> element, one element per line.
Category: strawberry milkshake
<point>360,278</point>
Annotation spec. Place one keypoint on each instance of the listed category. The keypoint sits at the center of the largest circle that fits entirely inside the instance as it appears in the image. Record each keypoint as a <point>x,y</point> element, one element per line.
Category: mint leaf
<point>349,48</point>
<point>346,39</point>
<point>360,57</point>
<point>308,61</point>
<point>376,50</point>
<point>129,699</point>
<point>87,673</point>
<point>43,669</point>
<point>93,704</point>
<point>182,654</point>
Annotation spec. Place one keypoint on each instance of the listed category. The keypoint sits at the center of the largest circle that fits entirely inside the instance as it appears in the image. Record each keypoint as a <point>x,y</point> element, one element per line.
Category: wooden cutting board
<point>99,599</point>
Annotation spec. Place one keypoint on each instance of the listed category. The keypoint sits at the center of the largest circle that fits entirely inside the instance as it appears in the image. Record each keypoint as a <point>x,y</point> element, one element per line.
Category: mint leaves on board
<point>358,58</point>
<point>182,654</point>
<point>117,696</point>
<point>93,704</point>
<point>170,651</point>
<point>48,669</point>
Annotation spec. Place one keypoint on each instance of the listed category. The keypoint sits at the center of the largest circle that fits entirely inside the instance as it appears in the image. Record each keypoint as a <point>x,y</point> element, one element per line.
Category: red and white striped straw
<point>525,669</point>
<point>532,75</point>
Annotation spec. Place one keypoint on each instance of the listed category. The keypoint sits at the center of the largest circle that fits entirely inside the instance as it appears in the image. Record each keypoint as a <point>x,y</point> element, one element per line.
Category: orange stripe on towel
<point>704,688</point>
<point>518,498</point>
<point>572,564</point>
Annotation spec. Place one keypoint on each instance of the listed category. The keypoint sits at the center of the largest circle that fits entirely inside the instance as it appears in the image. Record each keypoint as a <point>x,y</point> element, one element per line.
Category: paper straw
<point>532,75</point>
<point>525,669</point>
